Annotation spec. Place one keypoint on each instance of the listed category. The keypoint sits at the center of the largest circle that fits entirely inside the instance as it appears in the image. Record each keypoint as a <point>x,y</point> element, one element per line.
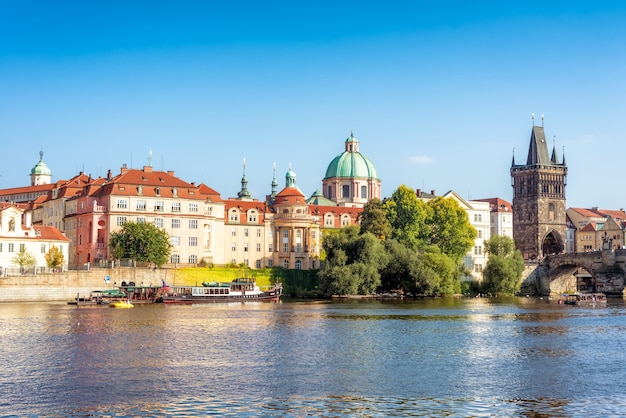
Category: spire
<point>554,158</point>
<point>513,160</point>
<point>41,155</point>
<point>352,144</point>
<point>538,149</point>
<point>244,193</point>
<point>564,155</point>
<point>274,184</point>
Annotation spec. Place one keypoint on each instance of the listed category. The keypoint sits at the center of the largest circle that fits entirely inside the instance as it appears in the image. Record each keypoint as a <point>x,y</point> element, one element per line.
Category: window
<point>175,223</point>
<point>158,206</point>
<point>43,248</point>
<point>175,259</point>
<point>364,191</point>
<point>345,191</point>
<point>11,247</point>
<point>312,234</point>
<point>285,247</point>
<point>252,216</point>
<point>270,247</point>
<point>234,216</point>
<point>193,207</point>
<point>298,264</point>
<point>0,247</point>
<point>141,220</point>
<point>258,264</point>
<point>157,191</point>
<point>478,268</point>
<point>286,264</point>
<point>328,221</point>
<point>258,232</point>
<point>121,220</point>
<point>478,217</point>
<point>480,233</point>
<point>245,247</point>
<point>158,222</point>
<point>270,263</point>
<point>345,220</point>
<point>258,247</point>
<point>193,259</point>
<point>122,203</point>
<point>175,240</point>
<point>193,241</point>
<point>233,232</point>
<point>175,206</point>
<point>141,205</point>
<point>22,248</point>
<point>193,224</point>
<point>233,247</point>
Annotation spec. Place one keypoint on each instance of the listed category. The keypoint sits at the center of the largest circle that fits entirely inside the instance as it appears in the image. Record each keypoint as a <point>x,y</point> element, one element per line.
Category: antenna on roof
<point>542,120</point>
<point>533,118</point>
<point>150,158</point>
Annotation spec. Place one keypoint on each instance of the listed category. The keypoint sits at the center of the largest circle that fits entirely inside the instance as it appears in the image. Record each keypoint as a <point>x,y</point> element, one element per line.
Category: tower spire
<point>244,193</point>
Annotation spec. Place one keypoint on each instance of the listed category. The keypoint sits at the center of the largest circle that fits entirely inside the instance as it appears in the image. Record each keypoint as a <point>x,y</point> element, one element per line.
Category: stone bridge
<point>601,271</point>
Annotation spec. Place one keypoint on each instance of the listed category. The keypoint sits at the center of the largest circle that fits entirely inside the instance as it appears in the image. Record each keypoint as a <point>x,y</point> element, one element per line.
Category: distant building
<point>539,222</point>
<point>500,217</point>
<point>597,229</point>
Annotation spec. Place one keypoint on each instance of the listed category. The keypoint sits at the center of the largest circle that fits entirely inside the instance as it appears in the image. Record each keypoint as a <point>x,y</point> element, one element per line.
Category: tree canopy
<point>424,245</point>
<point>352,263</point>
<point>504,268</point>
<point>54,257</point>
<point>24,258</point>
<point>142,242</point>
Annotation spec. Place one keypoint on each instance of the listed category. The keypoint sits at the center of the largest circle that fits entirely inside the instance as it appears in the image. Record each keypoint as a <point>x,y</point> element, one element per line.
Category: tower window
<point>345,191</point>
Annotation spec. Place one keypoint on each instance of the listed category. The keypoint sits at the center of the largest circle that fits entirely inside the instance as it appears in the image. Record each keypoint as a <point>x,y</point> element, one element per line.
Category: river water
<point>443,357</point>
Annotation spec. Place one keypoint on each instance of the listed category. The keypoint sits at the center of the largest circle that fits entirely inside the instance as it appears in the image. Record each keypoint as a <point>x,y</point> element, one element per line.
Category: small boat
<point>584,298</point>
<point>239,290</point>
<point>121,304</point>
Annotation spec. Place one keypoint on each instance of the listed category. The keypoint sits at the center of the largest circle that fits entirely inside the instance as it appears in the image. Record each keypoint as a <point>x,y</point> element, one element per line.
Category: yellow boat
<point>121,304</point>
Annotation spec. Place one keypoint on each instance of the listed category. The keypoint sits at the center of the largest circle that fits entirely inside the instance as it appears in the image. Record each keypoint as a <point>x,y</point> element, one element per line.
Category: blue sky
<point>439,94</point>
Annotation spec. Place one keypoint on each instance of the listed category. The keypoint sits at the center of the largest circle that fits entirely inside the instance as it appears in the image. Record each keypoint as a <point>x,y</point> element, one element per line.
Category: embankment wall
<point>67,285</point>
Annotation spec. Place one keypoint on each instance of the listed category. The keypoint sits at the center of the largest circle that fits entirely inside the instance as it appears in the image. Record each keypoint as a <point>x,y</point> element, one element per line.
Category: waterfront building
<point>192,215</point>
<point>247,229</point>
<point>17,233</point>
<point>539,222</point>
<point>351,178</point>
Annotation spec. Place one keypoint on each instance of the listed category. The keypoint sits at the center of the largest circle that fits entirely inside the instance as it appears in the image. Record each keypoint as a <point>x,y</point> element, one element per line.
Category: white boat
<point>239,290</point>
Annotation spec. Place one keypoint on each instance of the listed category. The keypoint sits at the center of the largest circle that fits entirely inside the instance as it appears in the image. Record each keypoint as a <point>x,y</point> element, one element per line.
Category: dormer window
<point>157,191</point>
<point>38,232</point>
<point>175,192</point>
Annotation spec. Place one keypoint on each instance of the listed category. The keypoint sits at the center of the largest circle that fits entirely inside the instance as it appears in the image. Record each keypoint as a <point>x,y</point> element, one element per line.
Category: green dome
<point>41,169</point>
<point>351,163</point>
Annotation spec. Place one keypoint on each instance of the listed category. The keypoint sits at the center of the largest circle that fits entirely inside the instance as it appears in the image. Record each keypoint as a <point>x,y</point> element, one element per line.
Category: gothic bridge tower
<point>539,224</point>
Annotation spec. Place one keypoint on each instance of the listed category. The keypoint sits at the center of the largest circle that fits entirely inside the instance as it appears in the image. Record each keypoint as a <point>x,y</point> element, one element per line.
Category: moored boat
<point>239,290</point>
<point>121,304</point>
<point>585,298</point>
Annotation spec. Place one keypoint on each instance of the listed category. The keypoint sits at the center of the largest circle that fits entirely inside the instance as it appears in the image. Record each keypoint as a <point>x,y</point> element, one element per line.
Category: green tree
<point>24,258</point>
<point>449,228</point>
<point>407,215</point>
<point>142,242</point>
<point>54,257</point>
<point>374,220</point>
<point>503,272</point>
<point>352,263</point>
<point>445,278</point>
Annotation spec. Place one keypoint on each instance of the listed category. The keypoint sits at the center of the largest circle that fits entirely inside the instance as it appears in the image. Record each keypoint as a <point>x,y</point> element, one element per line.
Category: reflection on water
<point>439,357</point>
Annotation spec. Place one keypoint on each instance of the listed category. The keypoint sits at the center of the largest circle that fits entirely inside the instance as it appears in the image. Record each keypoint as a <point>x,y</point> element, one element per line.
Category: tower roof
<point>41,168</point>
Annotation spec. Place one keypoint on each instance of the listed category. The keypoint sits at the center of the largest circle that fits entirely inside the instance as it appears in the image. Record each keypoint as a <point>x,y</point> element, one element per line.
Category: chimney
<point>124,169</point>
<point>147,169</point>
<point>170,172</point>
<point>109,174</point>
<point>432,192</point>
<point>418,192</point>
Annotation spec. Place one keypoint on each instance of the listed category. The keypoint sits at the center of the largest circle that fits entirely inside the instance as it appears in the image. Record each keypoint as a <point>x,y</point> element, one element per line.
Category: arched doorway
<point>552,244</point>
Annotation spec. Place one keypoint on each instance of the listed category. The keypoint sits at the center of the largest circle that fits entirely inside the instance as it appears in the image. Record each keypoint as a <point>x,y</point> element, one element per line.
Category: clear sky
<point>439,94</point>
